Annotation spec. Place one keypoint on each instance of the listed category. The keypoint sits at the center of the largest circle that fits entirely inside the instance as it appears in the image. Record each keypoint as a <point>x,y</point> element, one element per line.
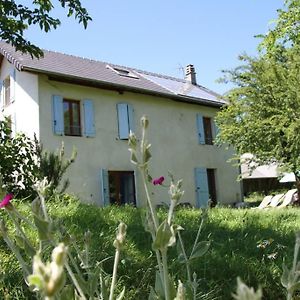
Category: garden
<point>56,247</point>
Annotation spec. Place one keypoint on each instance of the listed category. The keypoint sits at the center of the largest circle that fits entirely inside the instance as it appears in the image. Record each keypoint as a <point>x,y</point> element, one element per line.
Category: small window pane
<point>72,117</point>
<point>207,131</point>
<point>7,91</point>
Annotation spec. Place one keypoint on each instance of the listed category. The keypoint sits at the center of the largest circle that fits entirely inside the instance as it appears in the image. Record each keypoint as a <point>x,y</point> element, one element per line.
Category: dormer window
<point>123,72</point>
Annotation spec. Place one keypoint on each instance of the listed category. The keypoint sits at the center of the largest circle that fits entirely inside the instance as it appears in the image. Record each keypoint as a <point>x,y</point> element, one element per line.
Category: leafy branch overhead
<point>16,18</point>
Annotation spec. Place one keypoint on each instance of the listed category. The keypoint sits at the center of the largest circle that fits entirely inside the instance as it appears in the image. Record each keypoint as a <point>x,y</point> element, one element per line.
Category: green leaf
<point>121,295</point>
<point>35,280</point>
<point>152,295</point>
<point>172,288</point>
<point>19,241</point>
<point>200,249</point>
<point>159,288</point>
<point>104,287</point>
<point>43,228</point>
<point>163,236</point>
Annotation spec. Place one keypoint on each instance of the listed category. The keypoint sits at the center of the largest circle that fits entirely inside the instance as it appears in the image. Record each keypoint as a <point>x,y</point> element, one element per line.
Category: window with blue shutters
<point>67,119</point>
<point>117,187</point>
<point>206,130</point>
<point>125,120</point>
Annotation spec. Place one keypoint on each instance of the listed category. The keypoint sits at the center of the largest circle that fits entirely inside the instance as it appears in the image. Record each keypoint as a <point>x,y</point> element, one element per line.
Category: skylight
<point>123,72</point>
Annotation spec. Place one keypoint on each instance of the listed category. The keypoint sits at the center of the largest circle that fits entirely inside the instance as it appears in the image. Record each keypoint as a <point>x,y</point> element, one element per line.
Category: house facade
<point>91,106</point>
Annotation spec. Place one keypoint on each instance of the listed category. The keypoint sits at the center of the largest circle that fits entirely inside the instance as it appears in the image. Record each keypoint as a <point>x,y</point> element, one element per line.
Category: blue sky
<point>163,36</point>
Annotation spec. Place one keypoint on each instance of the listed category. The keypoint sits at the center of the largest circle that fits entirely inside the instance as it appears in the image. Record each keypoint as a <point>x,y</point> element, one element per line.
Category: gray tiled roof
<point>102,74</point>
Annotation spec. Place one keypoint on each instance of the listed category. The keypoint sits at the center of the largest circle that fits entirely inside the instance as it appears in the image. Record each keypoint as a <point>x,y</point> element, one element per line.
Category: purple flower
<point>5,201</point>
<point>159,180</point>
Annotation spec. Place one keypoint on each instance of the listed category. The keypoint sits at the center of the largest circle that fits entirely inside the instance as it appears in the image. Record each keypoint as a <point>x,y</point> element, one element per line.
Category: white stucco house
<point>92,105</point>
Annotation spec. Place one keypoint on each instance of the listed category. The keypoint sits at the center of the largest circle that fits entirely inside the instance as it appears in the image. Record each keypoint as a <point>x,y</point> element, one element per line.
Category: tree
<point>16,18</point>
<point>263,114</point>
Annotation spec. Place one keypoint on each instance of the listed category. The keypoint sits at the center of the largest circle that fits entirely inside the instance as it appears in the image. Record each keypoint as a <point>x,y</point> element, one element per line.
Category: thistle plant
<point>69,274</point>
<point>164,234</point>
<point>246,293</point>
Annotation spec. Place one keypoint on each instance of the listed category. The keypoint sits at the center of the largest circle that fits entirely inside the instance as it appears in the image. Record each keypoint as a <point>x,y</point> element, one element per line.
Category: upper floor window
<point>67,115</point>
<point>72,123</point>
<point>6,90</point>
<point>207,124</point>
<point>206,130</point>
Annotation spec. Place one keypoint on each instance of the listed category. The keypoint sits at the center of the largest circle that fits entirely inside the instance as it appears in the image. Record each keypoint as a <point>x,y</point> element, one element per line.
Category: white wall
<point>24,110</point>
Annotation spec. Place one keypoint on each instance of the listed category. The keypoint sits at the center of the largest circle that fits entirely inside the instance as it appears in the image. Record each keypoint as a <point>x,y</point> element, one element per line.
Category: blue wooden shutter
<point>57,115</point>
<point>12,83</point>
<point>202,192</point>
<point>123,121</point>
<point>104,185</point>
<point>130,117</point>
<point>89,118</point>
<point>1,95</point>
<point>200,128</point>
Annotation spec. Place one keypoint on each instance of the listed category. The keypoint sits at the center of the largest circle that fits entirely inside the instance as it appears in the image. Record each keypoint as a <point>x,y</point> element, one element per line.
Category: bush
<point>18,162</point>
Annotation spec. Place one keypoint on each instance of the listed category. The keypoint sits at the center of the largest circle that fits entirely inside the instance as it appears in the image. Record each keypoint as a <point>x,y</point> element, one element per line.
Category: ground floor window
<point>121,187</point>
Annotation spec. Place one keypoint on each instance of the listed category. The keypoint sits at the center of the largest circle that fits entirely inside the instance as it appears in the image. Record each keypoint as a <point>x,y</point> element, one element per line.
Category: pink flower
<point>159,180</point>
<point>5,201</point>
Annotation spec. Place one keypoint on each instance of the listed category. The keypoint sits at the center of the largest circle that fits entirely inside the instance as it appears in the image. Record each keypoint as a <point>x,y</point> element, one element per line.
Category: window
<point>66,117</point>
<point>72,124</point>
<point>125,120</point>
<point>206,130</point>
<point>118,187</point>
<point>205,187</point>
<point>6,89</point>
<point>123,72</point>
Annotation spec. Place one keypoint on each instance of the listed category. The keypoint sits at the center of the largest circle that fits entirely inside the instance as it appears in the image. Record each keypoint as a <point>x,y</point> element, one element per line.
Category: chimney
<point>190,74</point>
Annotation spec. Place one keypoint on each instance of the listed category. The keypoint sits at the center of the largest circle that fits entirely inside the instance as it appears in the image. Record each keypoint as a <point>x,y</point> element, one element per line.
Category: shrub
<point>18,162</point>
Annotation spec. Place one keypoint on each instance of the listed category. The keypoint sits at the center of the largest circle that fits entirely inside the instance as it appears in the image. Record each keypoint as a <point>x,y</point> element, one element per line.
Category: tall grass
<point>249,243</point>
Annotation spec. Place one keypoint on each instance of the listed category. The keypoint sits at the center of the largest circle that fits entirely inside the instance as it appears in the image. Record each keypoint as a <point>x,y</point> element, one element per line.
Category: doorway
<point>121,187</point>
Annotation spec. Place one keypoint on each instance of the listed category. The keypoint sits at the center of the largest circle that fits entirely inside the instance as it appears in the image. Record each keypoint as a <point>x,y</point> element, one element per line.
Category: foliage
<point>23,162</point>
<point>18,162</point>
<point>69,274</point>
<point>263,113</point>
<point>286,32</point>
<point>15,18</point>
<point>262,116</point>
<point>53,166</point>
<point>239,247</point>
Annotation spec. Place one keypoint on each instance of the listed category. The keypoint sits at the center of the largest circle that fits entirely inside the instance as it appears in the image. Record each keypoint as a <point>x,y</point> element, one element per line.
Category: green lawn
<point>246,243</point>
